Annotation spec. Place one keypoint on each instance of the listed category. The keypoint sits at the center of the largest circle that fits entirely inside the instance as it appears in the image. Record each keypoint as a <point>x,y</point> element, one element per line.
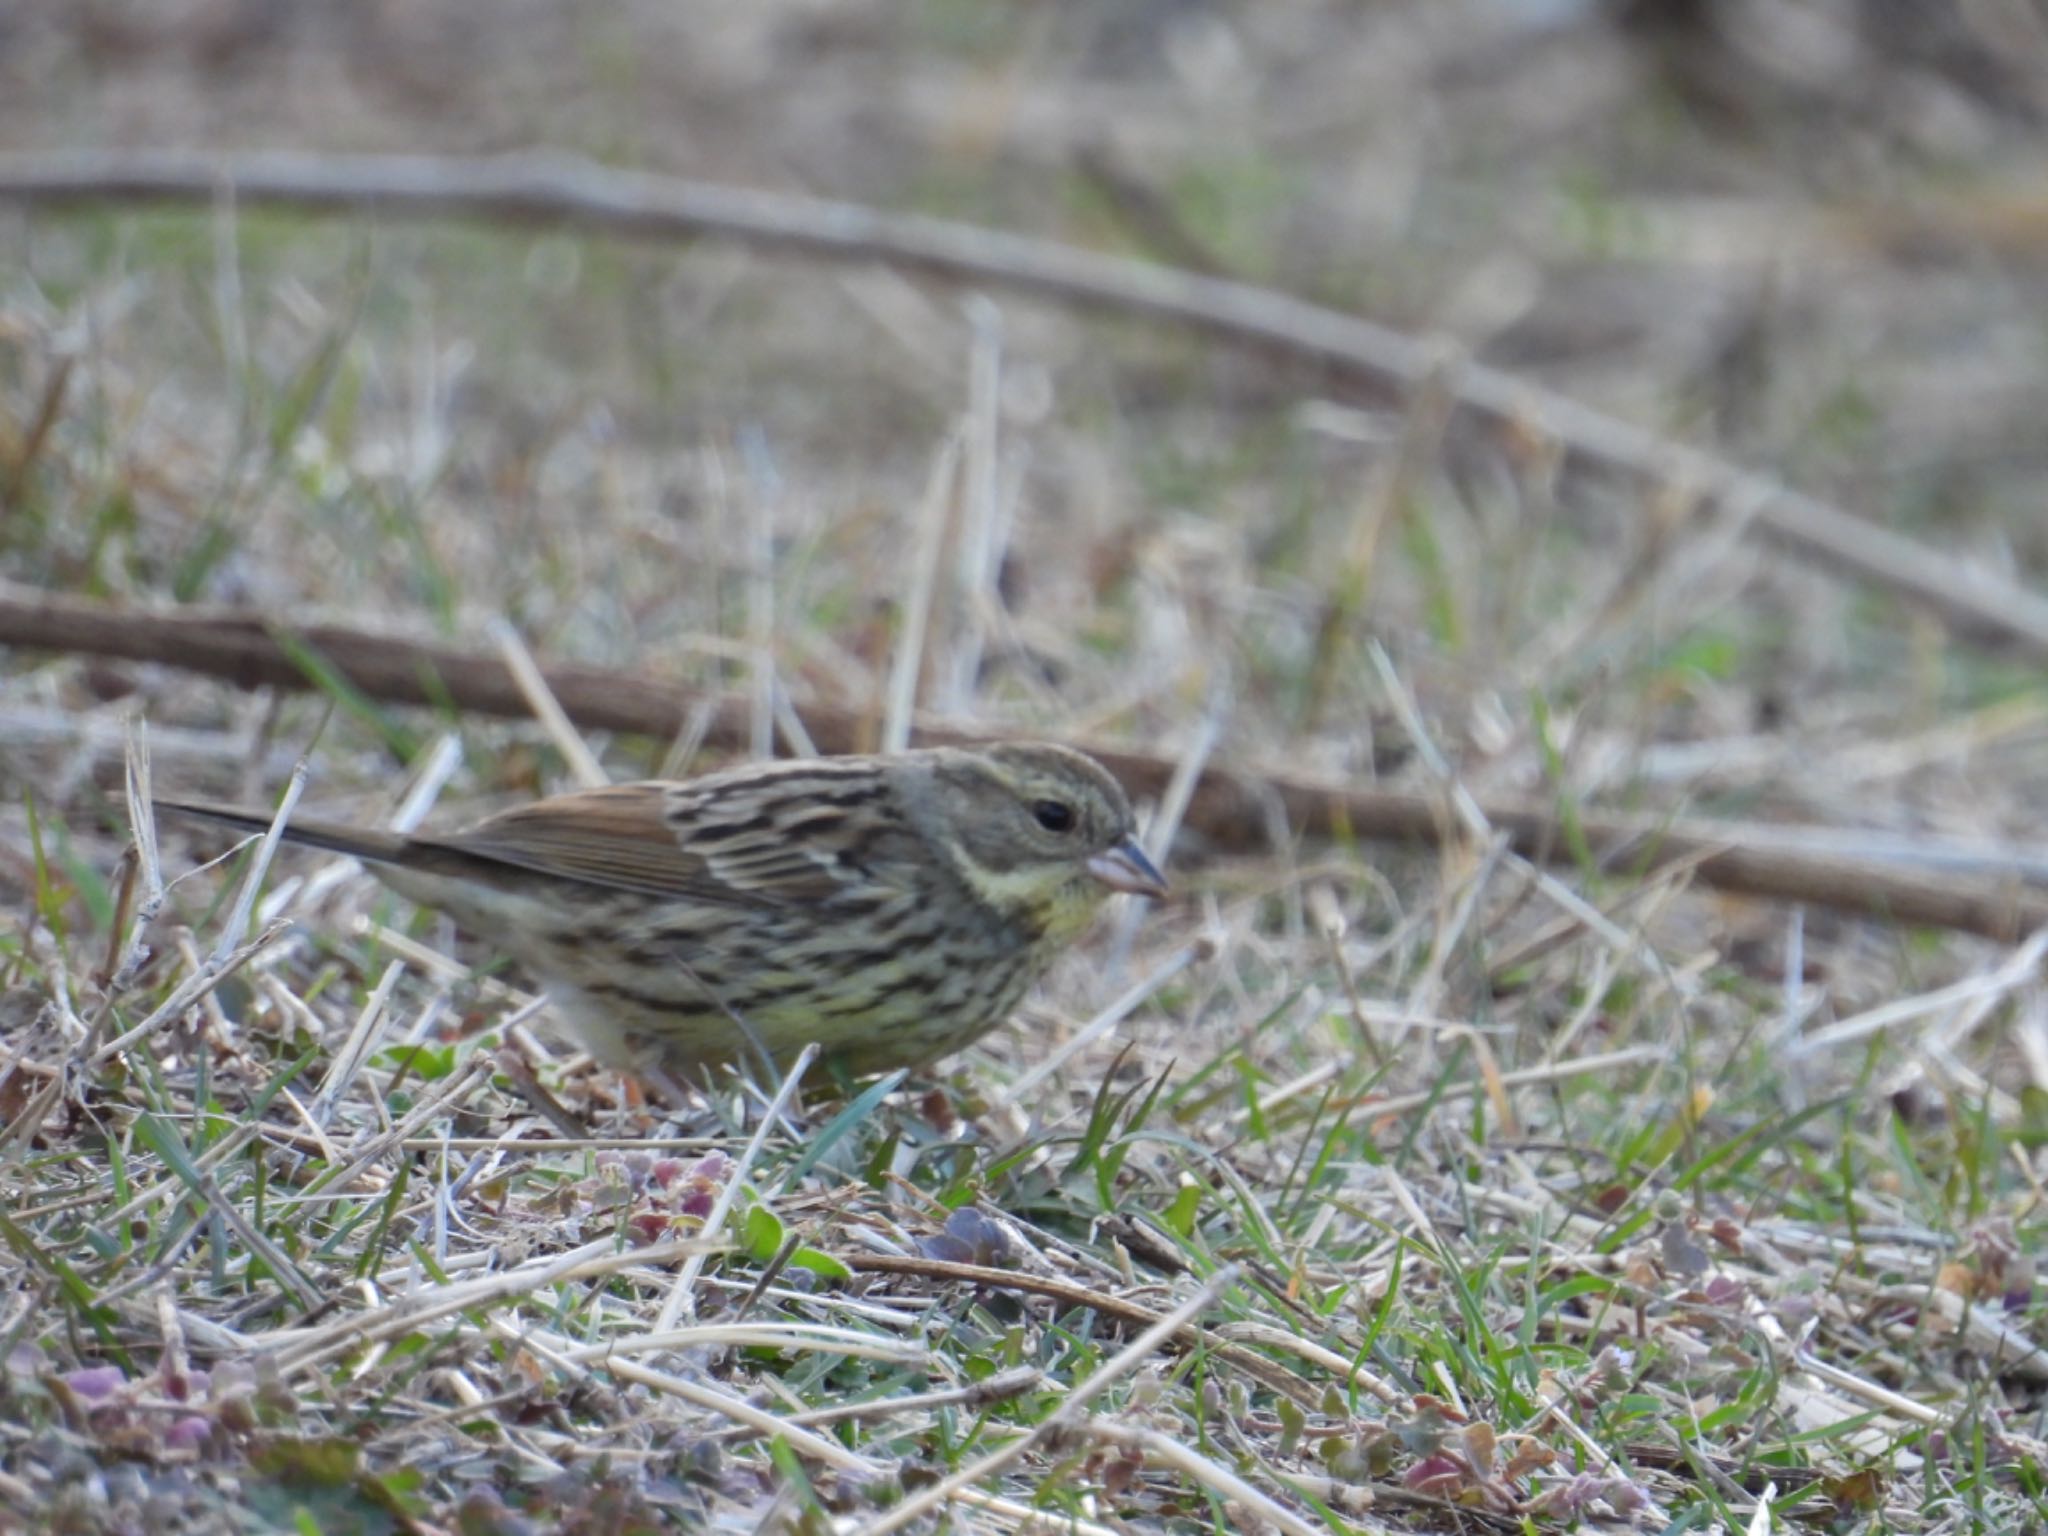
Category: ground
<point>1417,1185</point>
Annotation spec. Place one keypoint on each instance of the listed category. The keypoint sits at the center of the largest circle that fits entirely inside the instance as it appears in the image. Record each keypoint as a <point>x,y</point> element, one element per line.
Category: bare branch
<point>1227,806</point>
<point>562,190</point>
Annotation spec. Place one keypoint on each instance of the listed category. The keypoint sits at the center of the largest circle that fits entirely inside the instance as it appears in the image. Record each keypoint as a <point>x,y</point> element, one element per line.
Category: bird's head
<point>1042,833</point>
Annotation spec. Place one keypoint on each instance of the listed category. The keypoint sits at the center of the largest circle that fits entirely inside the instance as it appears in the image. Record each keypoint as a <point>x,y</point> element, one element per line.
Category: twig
<point>977,560</point>
<point>584,767</point>
<point>211,974</point>
<point>760,604</point>
<point>2019,969</point>
<point>1164,1450</point>
<point>259,866</point>
<point>1402,1103</point>
<point>553,190</point>
<point>848,1342</point>
<point>681,1300</point>
<point>1204,948</point>
<point>1267,1372</point>
<point>977,1395</point>
<point>148,868</point>
<point>1164,824</point>
<point>567,1358</point>
<point>906,667</point>
<point>355,1050</point>
<point>739,1410</point>
<point>1229,808</point>
<point>1870,1391</point>
<point>1065,1419</point>
<point>379,1145</point>
<point>299,1349</point>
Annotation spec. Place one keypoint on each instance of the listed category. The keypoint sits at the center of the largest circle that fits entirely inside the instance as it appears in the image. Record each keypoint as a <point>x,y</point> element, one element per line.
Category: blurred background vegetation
<point>1807,236</point>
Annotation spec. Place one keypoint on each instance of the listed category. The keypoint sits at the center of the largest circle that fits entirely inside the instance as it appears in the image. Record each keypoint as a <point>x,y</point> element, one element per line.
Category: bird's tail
<point>376,847</point>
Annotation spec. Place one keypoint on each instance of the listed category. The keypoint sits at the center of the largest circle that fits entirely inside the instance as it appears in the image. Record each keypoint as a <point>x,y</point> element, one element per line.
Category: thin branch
<point>1267,1373</point>
<point>1162,1449</point>
<point>555,190</point>
<point>1227,806</point>
<point>681,1300</point>
<point>1064,1420</point>
<point>584,767</point>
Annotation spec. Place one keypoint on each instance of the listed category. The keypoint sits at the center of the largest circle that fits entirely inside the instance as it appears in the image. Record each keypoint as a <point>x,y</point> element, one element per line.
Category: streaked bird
<point>890,908</point>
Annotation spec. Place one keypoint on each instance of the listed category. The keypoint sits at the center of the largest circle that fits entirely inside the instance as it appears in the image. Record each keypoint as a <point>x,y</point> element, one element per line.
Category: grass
<point>371,1294</point>
<point>1415,1192</point>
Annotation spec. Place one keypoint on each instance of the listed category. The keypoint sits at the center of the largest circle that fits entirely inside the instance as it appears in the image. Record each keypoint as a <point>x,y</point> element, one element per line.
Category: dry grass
<point>1405,1192</point>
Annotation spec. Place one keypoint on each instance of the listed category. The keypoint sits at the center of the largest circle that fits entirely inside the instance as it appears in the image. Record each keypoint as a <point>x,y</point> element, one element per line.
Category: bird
<point>891,908</point>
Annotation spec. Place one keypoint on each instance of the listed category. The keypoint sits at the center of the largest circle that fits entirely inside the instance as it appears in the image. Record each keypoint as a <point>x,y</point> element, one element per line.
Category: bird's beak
<point>1125,868</point>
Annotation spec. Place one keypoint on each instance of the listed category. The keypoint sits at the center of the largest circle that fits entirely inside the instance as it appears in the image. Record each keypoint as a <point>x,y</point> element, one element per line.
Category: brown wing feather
<point>616,837</point>
<point>626,837</point>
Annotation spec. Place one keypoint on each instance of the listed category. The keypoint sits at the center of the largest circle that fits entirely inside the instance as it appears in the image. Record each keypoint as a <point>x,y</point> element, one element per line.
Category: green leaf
<point>820,1263</point>
<point>761,1233</point>
<point>165,1142</point>
<point>432,1062</point>
<point>1706,653</point>
<point>855,1112</point>
<point>795,1481</point>
<point>325,1463</point>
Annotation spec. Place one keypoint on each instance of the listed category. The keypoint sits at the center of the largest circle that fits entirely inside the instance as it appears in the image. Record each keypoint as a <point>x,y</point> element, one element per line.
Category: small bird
<point>890,908</point>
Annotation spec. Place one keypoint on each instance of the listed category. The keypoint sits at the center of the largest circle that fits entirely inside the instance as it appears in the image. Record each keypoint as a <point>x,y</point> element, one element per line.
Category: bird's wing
<point>647,839</point>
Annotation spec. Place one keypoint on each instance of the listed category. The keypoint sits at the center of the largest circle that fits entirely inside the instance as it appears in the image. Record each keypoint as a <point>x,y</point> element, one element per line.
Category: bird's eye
<point>1054,815</point>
